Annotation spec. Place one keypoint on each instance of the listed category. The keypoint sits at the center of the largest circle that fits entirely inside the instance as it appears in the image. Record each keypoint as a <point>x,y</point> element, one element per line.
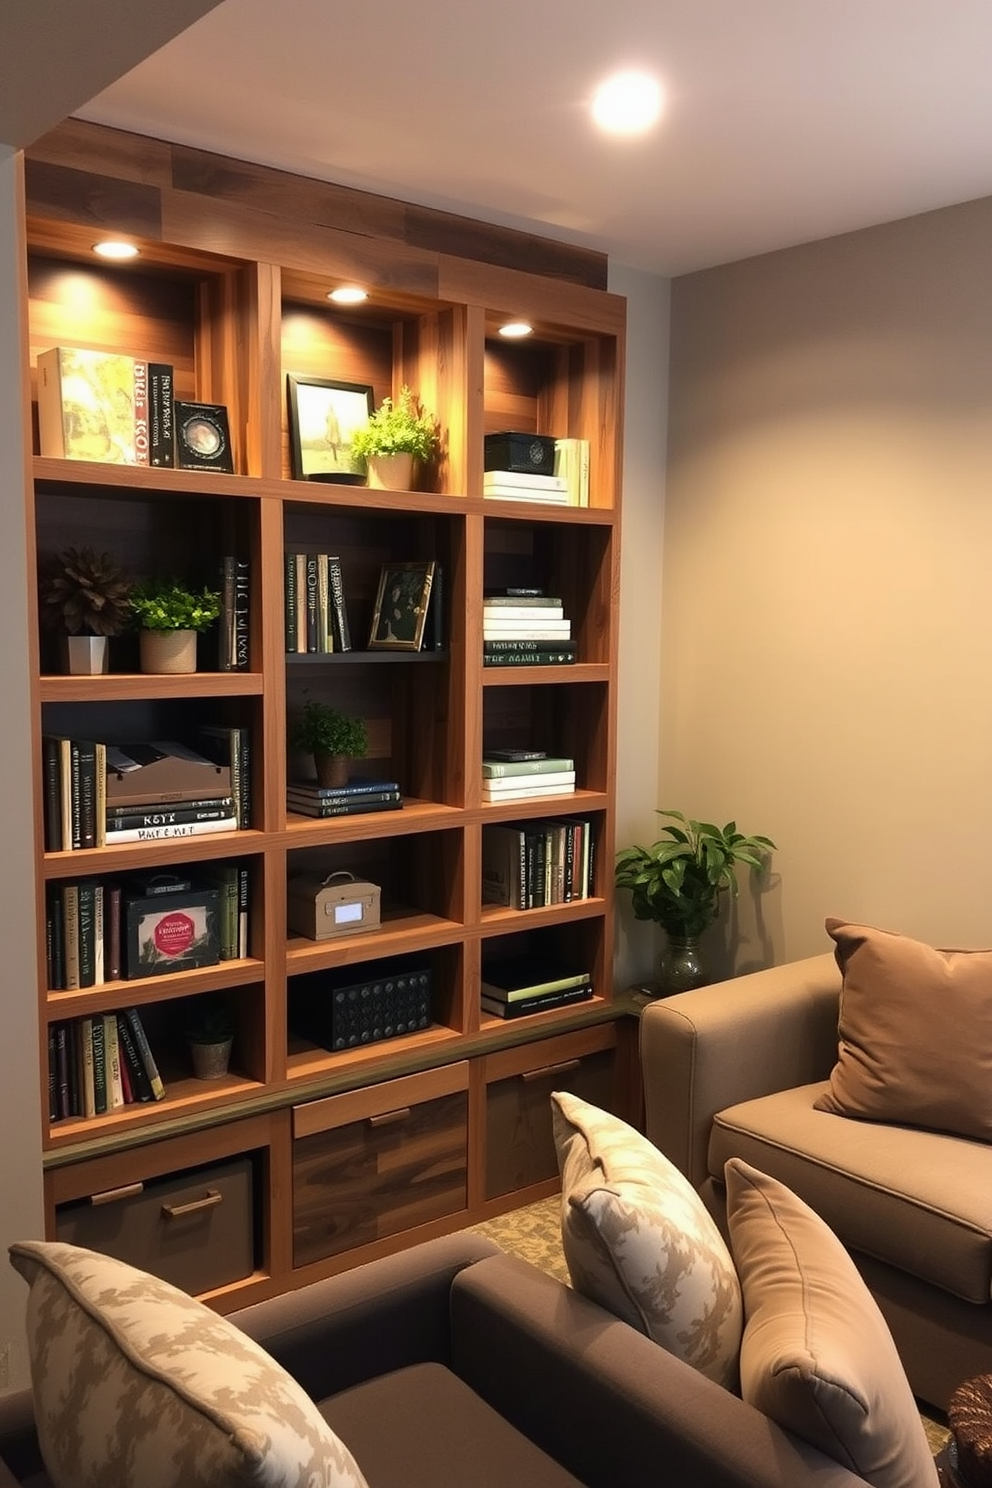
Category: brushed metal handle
<point>390,1118</point>
<point>113,1195</point>
<point>565,1068</point>
<point>210,1198</point>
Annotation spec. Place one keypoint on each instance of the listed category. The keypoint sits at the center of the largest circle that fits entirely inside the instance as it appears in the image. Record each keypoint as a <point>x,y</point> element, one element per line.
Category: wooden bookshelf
<point>230,287</point>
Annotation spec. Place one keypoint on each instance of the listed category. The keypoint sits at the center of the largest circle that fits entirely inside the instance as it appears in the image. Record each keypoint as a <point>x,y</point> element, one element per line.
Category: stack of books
<point>316,617</point>
<point>525,627</point>
<point>353,799</point>
<point>527,773</point>
<point>527,865</point>
<point>520,485</point>
<point>99,1064</point>
<point>164,789</point>
<point>514,987</point>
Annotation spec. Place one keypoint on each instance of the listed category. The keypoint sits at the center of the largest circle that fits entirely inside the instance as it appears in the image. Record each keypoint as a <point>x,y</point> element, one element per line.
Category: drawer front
<point>194,1229</point>
<point>520,1147</point>
<point>383,1173</point>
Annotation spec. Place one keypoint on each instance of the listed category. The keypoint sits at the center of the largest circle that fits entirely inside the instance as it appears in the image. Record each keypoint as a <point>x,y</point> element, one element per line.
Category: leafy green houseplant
<point>170,616</point>
<point>332,737</point>
<point>396,428</point>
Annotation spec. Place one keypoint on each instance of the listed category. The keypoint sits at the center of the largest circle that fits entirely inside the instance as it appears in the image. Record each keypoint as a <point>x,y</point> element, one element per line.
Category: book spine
<point>334,806</point>
<point>54,940</point>
<point>52,793</point>
<point>87,934</point>
<point>339,612</point>
<point>244,902</point>
<point>112,917</point>
<point>535,989</point>
<point>144,1049</point>
<point>312,603</point>
<point>242,614</point>
<point>85,778</point>
<point>99,1047</point>
<point>225,621</point>
<point>53,1092</point>
<point>301,603</point>
<point>137,1074</point>
<point>341,792</point>
<point>530,658</point>
<point>123,821</point>
<point>502,785</point>
<point>62,1059</point>
<point>538,1004</point>
<point>434,629</point>
<point>141,413</point>
<point>115,1083</point>
<point>179,829</point>
<point>494,644</point>
<point>70,923</point>
<point>500,770</point>
<point>115,815</point>
<point>495,611</point>
<point>225,879</point>
<point>99,934</point>
<point>345,808</point>
<point>161,434</point>
<point>242,800</point>
<point>289,602</point>
<point>325,629</point>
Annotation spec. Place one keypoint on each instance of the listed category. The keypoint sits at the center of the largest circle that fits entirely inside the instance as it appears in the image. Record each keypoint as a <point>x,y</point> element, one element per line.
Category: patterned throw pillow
<point>639,1241</point>
<point>137,1383</point>
<point>817,1355</point>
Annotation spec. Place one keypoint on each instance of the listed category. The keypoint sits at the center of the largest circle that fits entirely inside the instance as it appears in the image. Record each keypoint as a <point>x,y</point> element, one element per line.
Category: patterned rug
<point>534,1233</point>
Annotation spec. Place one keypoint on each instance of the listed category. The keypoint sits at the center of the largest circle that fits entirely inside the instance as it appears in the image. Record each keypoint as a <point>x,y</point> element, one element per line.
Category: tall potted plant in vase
<point>680,882</point>
<point>332,737</point>
<point>170,616</point>
<point>399,435</point>
<point>86,597</point>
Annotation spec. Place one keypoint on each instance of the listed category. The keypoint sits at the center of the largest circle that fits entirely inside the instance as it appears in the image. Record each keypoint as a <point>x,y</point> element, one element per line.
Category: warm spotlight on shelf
<point>515,329</point>
<point>348,294</point>
<point>115,248</point>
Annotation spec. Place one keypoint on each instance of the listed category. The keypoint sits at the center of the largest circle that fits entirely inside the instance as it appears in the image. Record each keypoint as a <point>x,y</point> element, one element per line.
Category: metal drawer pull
<point>389,1118</point>
<point>210,1198</point>
<point>112,1195</point>
<point>565,1068</point>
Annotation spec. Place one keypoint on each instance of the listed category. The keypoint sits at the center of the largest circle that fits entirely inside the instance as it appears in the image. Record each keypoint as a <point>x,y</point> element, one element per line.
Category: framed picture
<point>401,606</point>
<point>323,417</point>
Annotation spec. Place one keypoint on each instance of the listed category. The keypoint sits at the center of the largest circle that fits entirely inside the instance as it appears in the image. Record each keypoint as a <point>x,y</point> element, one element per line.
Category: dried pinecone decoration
<point>85,593</point>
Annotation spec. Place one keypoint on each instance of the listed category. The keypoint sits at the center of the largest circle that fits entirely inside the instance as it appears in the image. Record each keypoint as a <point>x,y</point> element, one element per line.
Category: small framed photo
<point>323,417</point>
<point>401,606</point>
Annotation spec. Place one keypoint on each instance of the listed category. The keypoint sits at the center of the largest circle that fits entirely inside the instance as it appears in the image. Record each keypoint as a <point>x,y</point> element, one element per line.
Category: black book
<point>172,813</point>
<point>53,1078</point>
<point>356,807</point>
<point>161,431</point>
<point>51,769</point>
<point>225,620</point>
<point>312,603</point>
<point>63,1065</point>
<point>242,595</point>
<point>137,1074</point>
<point>523,643</point>
<point>289,602</point>
<point>231,747</point>
<point>537,1004</point>
<point>339,613</point>
<point>101,1088</point>
<point>545,657</point>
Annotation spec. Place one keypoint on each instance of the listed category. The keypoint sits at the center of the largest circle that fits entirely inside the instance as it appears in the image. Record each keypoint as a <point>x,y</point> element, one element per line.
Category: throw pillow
<point>817,1356</point>
<point>137,1383</point>
<point>639,1241</point>
<point>915,1033</point>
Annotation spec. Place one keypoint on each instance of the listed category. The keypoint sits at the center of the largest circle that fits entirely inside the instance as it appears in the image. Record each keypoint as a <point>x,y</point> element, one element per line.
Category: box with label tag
<point>320,907</point>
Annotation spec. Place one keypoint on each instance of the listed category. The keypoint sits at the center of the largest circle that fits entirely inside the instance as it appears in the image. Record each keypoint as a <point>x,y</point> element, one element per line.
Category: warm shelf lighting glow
<point>514,329</point>
<point>115,249</point>
<point>348,294</point>
<point>627,103</point>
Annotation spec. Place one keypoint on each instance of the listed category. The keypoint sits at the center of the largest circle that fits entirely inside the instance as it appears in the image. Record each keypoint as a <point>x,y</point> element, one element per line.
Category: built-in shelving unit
<point>357,1152</point>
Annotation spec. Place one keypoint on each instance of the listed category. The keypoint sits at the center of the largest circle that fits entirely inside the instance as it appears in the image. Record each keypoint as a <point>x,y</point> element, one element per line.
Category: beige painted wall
<point>827,662</point>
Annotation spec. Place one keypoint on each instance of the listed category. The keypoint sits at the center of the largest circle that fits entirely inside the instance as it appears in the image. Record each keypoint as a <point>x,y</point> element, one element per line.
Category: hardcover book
<point>539,1004</point>
<point>86,405</point>
<point>514,978</point>
<point>161,435</point>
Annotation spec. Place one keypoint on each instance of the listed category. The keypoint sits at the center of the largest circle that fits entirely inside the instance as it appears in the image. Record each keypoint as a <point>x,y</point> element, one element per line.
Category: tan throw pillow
<point>137,1383</point>
<point>817,1356</point>
<point>915,1033</point>
<point>639,1241</point>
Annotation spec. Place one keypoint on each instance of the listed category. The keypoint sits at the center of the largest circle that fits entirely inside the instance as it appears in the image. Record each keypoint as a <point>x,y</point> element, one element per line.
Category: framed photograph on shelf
<point>323,417</point>
<point>401,606</point>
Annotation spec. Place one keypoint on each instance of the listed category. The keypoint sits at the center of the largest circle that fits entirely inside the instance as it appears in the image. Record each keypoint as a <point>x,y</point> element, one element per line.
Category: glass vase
<point>681,966</point>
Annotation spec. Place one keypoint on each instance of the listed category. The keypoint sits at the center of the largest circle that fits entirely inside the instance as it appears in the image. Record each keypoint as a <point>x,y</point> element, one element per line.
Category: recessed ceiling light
<point>514,329</point>
<point>348,294</point>
<point>627,103</point>
<point>113,248</point>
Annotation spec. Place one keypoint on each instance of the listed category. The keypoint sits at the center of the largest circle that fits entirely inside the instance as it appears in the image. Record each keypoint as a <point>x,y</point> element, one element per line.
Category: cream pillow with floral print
<point>639,1240</point>
<point>137,1383</point>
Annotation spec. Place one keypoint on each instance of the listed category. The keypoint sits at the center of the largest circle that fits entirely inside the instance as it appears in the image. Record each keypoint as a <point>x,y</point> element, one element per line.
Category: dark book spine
<point>338,806</point>
<point>339,612</point>
<point>521,643</point>
<point>242,597</point>
<point>144,1049</point>
<point>568,875</point>
<point>53,1076</point>
<point>52,797</point>
<point>63,1055</point>
<point>225,620</point>
<point>101,1099</point>
<point>242,747</point>
<point>289,590</point>
<point>112,933</point>
<point>312,603</point>
<point>346,808</point>
<point>55,940</point>
<point>544,1000</point>
<point>161,435</point>
<point>434,629</point>
<point>167,817</point>
<point>141,1088</point>
<point>529,658</point>
<point>141,413</point>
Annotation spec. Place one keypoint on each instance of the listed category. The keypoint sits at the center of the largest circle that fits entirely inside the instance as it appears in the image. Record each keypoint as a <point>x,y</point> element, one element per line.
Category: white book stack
<point>525,787</point>
<point>520,485</point>
<point>528,619</point>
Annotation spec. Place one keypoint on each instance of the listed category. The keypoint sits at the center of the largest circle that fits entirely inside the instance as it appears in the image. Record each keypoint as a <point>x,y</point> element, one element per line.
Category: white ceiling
<point>787,120</point>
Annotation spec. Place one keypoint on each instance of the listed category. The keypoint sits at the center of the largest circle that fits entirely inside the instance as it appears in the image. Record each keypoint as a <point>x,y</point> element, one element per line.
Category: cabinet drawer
<point>194,1229</point>
<point>520,1147</point>
<point>378,1161</point>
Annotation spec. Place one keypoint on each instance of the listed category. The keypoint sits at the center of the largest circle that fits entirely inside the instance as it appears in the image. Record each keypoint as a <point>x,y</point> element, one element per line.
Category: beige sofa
<point>733,1069</point>
<point>453,1365</point>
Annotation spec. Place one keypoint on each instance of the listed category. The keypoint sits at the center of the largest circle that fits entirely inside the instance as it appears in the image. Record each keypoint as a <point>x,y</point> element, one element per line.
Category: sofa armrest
<point>374,1318</point>
<point>732,1041</point>
<point>611,1406</point>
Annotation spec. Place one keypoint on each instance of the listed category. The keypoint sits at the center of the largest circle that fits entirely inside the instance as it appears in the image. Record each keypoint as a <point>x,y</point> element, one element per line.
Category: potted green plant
<point>169,616</point>
<point>397,434</point>
<point>209,1032</point>
<point>679,883</point>
<point>332,737</point>
<point>86,596</point>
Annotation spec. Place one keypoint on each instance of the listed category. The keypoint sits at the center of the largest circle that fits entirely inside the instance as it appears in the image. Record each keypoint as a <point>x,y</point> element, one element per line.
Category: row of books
<point>353,799</point>
<point>122,410</point>
<point>99,795</point>
<point>93,927</point>
<point>527,865</point>
<point>315,612</point>
<point>514,986</point>
<point>99,1064</point>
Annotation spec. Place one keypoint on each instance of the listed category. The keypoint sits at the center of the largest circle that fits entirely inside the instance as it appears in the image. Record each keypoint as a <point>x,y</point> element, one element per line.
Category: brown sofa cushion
<point>915,1033</point>
<point>422,1427</point>
<point>817,1356</point>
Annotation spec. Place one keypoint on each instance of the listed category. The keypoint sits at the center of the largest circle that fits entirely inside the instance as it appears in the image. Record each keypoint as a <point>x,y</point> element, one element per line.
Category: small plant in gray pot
<point>86,597</point>
<point>332,737</point>
<point>209,1032</point>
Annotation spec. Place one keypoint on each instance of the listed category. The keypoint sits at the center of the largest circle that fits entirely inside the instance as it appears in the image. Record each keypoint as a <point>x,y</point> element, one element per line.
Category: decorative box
<point>534,453</point>
<point>340,1010</point>
<point>169,931</point>
<point>339,904</point>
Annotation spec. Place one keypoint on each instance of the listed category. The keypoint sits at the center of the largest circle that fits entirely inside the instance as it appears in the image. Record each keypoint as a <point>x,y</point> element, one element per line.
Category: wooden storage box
<point>338,904</point>
<point>378,1161</point>
<point>194,1229</point>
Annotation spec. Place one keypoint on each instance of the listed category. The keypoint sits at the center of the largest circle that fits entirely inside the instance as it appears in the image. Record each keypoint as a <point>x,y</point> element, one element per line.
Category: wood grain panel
<point>67,195</point>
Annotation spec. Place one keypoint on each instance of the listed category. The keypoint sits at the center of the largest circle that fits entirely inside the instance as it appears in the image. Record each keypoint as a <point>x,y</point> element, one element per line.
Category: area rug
<point>534,1232</point>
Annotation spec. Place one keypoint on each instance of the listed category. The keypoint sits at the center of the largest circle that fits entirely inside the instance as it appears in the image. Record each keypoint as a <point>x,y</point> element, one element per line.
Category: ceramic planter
<point>211,1061</point>
<point>390,472</point>
<point>168,651</point>
<point>332,769</point>
<point>87,655</point>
